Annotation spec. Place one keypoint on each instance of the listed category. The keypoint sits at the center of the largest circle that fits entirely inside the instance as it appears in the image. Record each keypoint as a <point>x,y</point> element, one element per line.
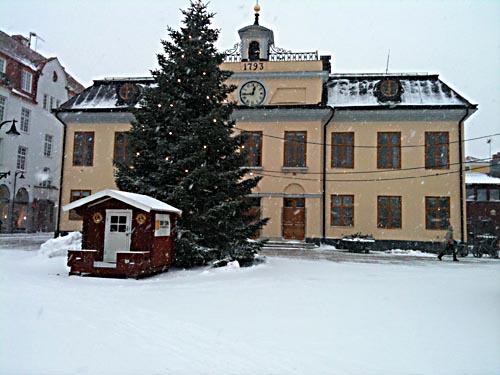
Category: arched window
<point>21,209</point>
<point>254,51</point>
<point>4,193</point>
<point>4,206</point>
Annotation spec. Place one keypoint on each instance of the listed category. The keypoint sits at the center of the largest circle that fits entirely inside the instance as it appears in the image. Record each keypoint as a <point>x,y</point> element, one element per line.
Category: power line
<point>363,180</point>
<point>381,170</point>
<point>370,147</point>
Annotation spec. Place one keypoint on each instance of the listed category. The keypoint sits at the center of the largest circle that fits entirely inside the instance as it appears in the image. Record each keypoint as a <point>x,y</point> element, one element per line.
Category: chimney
<point>21,39</point>
<point>327,65</point>
<point>495,165</point>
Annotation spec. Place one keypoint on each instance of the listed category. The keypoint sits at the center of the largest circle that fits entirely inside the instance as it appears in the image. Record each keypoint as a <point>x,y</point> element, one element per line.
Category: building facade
<point>340,154</point>
<point>31,85</point>
<point>483,197</point>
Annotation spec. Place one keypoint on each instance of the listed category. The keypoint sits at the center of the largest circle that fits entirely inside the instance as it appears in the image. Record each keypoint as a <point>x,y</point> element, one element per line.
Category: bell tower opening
<point>254,51</point>
<point>255,40</point>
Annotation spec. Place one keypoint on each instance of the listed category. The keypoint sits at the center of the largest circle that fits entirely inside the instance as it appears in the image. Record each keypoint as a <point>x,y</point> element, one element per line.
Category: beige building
<point>340,154</point>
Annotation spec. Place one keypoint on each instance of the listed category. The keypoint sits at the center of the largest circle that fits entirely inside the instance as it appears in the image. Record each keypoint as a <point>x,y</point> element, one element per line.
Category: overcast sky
<point>457,39</point>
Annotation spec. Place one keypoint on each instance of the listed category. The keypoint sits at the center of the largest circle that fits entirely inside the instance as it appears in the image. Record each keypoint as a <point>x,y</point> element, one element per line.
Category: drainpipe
<point>323,229</point>
<point>58,219</point>
<point>461,174</point>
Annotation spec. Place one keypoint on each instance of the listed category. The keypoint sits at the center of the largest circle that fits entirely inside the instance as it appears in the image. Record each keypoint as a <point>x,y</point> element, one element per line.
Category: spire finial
<point>256,8</point>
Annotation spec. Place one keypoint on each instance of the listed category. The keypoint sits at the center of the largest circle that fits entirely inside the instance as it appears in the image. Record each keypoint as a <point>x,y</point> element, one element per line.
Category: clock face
<point>129,92</point>
<point>389,88</point>
<point>252,93</point>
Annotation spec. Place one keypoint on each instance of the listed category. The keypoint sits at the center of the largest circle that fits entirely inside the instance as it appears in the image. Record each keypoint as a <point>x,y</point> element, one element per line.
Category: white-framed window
<point>47,148</point>
<point>52,102</point>
<point>25,120</point>
<point>45,101</point>
<point>46,178</point>
<point>26,81</point>
<point>3,65</point>
<point>22,153</point>
<point>58,103</point>
<point>3,105</point>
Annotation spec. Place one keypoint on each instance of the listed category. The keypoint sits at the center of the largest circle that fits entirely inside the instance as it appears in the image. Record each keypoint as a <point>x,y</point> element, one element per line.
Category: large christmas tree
<point>183,150</point>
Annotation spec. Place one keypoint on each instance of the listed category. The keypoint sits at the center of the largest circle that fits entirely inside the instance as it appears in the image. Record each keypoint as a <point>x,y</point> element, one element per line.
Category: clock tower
<point>280,114</point>
<point>255,40</point>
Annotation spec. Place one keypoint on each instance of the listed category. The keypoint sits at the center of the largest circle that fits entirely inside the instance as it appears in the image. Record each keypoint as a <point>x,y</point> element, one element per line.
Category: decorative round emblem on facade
<point>140,218</point>
<point>129,92</point>
<point>388,90</point>
<point>55,77</point>
<point>97,217</point>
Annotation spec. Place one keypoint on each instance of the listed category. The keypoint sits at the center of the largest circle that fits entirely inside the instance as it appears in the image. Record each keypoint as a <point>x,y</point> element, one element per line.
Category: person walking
<point>449,244</point>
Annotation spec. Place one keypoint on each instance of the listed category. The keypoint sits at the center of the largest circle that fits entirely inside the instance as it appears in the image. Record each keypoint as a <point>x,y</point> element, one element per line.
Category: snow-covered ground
<point>286,316</point>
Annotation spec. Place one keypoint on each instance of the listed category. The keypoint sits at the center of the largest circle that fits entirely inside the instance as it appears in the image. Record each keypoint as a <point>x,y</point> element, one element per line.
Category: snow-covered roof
<point>103,95</point>
<point>344,90</point>
<point>140,201</point>
<point>72,84</point>
<point>358,90</point>
<point>13,47</point>
<point>480,178</point>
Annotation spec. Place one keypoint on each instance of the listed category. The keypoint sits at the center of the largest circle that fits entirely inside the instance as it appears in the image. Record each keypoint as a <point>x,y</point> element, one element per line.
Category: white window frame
<point>45,101</point>
<point>3,65</point>
<point>25,120</point>
<point>27,81</point>
<point>52,102</point>
<point>47,147</point>
<point>3,106</point>
<point>22,157</point>
<point>46,178</point>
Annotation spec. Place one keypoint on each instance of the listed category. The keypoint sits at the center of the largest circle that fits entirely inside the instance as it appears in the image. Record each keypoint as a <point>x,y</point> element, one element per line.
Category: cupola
<point>255,40</point>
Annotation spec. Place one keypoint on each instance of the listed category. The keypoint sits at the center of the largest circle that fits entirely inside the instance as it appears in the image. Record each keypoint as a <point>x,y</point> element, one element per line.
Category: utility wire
<point>364,180</point>
<point>383,170</point>
<point>358,146</point>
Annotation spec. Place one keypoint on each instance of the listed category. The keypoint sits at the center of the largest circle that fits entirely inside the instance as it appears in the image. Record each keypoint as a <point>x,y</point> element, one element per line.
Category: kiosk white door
<point>117,233</point>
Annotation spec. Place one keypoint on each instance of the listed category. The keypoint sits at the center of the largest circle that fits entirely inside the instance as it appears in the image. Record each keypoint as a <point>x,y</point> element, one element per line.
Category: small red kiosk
<point>124,235</point>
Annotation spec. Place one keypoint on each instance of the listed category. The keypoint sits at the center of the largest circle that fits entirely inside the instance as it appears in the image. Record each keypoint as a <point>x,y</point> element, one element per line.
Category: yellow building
<point>340,154</point>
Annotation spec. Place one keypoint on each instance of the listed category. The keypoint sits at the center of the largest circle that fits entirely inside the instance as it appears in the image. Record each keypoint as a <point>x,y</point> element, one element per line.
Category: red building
<point>483,201</point>
<point>124,235</point>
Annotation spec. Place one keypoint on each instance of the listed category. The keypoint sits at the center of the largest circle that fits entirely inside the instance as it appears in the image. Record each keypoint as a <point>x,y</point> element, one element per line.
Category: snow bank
<point>58,247</point>
<point>327,247</point>
<point>413,253</point>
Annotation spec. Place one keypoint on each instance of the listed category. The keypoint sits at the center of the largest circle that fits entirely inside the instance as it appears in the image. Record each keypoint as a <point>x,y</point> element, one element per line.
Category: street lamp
<point>14,199</point>
<point>12,131</point>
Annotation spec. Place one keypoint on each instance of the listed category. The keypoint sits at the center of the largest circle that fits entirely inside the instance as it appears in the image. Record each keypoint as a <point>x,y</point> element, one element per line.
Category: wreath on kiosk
<point>140,218</point>
<point>97,217</point>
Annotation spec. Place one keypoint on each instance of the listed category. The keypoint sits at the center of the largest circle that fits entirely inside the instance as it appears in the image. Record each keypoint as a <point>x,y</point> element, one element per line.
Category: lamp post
<point>12,131</point>
<point>4,174</point>
<point>14,199</point>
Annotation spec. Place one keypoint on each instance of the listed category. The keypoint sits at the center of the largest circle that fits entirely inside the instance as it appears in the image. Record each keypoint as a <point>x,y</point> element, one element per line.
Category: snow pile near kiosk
<point>58,247</point>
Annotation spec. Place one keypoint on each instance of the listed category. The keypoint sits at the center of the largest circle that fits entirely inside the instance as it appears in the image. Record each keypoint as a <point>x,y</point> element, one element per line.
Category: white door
<point>117,234</point>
